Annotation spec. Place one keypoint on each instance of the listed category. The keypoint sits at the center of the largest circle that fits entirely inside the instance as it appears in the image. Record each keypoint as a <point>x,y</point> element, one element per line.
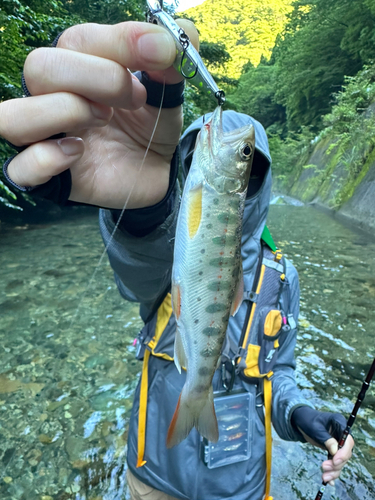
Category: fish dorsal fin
<point>238,296</point>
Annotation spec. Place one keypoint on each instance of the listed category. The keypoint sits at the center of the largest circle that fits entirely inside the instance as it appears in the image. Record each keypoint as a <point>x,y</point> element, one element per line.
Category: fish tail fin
<point>207,421</point>
<point>189,414</point>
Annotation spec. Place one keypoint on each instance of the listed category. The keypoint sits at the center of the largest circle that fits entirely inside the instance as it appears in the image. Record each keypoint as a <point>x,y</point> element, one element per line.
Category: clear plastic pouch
<point>235,431</point>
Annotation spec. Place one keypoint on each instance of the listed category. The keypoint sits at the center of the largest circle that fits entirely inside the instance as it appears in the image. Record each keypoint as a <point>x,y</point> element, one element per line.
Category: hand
<point>324,429</point>
<point>84,88</point>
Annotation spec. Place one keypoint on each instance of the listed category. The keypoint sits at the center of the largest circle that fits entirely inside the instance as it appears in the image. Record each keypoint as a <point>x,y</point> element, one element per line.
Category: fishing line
<point>121,213</point>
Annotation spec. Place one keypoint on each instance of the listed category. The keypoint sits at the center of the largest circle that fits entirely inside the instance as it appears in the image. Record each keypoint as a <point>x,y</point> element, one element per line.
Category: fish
<point>207,278</point>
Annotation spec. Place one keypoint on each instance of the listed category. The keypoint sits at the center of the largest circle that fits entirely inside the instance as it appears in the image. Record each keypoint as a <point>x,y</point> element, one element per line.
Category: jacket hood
<point>259,191</point>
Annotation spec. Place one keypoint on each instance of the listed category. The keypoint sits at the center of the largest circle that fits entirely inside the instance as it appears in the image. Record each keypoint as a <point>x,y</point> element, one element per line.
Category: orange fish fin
<point>179,352</point>
<point>176,299</point>
<point>238,297</point>
<point>194,210</point>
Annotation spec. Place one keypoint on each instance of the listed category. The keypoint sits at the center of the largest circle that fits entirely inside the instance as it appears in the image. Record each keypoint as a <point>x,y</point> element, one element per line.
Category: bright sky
<point>185,4</point>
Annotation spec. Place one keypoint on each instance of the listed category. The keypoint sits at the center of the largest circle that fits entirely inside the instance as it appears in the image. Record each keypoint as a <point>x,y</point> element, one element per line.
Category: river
<point>68,373</point>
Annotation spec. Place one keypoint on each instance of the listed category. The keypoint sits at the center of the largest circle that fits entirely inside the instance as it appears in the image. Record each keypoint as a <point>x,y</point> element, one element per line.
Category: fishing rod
<point>351,419</point>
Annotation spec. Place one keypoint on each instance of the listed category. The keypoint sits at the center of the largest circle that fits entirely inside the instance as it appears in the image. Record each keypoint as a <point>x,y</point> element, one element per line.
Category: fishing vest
<point>252,359</point>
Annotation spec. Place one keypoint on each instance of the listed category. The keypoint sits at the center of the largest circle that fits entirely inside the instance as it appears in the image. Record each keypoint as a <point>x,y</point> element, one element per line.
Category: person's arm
<point>286,395</point>
<point>293,417</point>
<point>142,263</point>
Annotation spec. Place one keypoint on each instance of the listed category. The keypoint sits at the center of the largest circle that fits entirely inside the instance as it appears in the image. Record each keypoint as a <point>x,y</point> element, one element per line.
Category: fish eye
<point>246,152</point>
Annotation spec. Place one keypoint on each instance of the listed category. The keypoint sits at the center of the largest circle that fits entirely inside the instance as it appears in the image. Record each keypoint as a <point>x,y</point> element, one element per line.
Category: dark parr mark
<point>202,387</point>
<point>217,307</point>
<point>204,371</point>
<point>222,262</point>
<point>212,331</point>
<point>224,240</point>
<point>227,218</point>
<point>217,286</point>
<point>210,352</point>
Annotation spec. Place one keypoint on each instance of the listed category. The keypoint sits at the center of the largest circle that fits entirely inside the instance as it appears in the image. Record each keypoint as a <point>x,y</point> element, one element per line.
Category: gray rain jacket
<point>142,269</point>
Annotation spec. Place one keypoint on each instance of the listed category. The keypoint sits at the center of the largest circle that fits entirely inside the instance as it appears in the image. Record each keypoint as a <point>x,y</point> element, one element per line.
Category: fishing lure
<point>188,62</point>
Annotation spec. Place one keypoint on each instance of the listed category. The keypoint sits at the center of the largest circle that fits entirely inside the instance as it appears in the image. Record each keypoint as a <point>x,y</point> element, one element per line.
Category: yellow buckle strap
<point>142,411</point>
<point>163,317</point>
<point>268,429</point>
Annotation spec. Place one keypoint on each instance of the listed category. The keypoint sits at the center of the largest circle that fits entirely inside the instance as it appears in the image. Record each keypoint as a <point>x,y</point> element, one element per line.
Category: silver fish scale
<point>209,270</point>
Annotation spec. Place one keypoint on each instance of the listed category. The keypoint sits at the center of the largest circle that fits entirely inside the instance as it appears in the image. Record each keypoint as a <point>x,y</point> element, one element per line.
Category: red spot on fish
<point>219,277</point>
<point>221,253</point>
<point>215,298</point>
<point>225,230</point>
<point>212,322</point>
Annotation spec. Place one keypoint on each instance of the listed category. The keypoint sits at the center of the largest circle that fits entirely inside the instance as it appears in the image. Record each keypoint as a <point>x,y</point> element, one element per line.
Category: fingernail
<point>71,146</point>
<point>328,478</point>
<point>332,483</point>
<point>156,48</point>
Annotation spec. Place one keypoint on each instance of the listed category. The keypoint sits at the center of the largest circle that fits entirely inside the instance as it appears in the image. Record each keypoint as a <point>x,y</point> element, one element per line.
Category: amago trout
<point>207,282</point>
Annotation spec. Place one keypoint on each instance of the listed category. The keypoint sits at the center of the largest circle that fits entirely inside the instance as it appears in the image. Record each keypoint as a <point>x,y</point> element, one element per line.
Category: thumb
<point>332,446</point>
<point>170,75</point>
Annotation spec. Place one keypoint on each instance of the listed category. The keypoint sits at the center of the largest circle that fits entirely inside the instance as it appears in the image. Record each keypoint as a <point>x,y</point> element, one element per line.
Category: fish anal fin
<point>238,296</point>
<point>179,352</point>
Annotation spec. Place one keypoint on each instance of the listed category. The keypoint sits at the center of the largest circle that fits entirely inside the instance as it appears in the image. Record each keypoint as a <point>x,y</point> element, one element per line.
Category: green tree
<point>323,41</point>
<point>255,95</point>
<point>246,28</point>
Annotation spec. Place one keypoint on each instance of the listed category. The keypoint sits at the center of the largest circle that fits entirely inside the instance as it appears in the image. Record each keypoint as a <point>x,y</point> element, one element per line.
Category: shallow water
<point>68,373</point>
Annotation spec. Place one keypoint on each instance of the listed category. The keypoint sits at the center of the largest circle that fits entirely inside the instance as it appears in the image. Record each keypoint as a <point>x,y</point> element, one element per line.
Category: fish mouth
<point>215,135</point>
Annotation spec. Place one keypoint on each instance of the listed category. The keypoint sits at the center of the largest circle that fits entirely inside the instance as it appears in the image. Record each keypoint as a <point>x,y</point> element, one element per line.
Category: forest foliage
<point>303,68</point>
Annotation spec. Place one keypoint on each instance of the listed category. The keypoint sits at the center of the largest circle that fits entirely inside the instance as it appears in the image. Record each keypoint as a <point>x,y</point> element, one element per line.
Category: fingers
<point>134,45</point>
<point>45,160</point>
<point>332,446</point>
<point>25,121</point>
<point>170,75</point>
<point>332,468</point>
<point>51,70</point>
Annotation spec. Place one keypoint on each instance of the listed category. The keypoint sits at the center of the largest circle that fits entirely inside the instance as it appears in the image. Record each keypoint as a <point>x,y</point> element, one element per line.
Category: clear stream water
<point>68,372</point>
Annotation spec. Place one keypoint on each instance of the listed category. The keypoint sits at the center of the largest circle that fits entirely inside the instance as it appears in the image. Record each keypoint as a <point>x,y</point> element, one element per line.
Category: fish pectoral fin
<point>194,209</point>
<point>179,352</point>
<point>238,296</point>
